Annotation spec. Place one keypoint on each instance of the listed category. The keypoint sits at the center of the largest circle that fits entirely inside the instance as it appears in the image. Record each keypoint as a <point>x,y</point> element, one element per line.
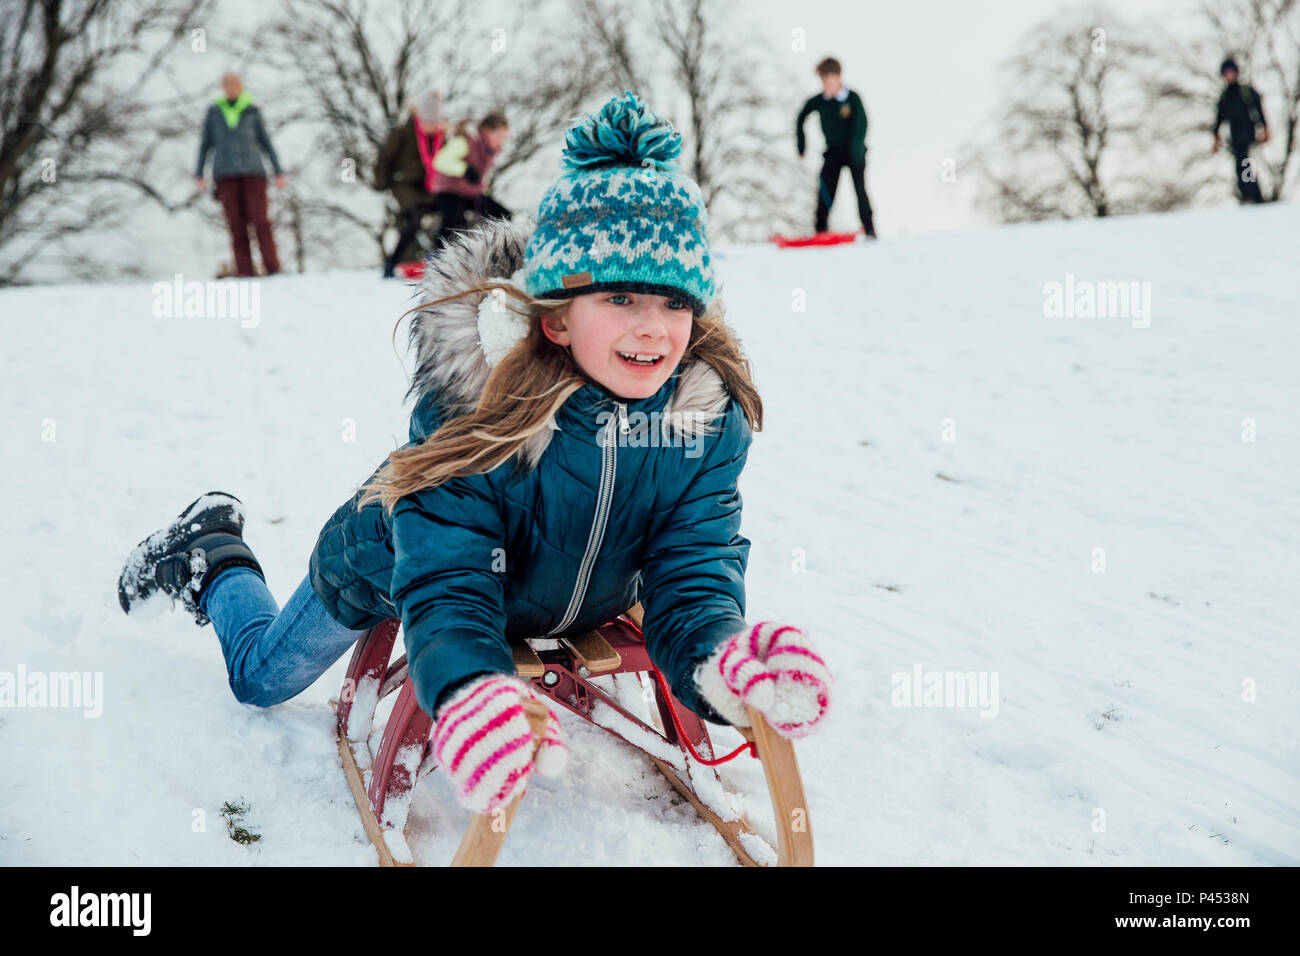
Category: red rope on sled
<point>677,723</point>
<point>681,733</point>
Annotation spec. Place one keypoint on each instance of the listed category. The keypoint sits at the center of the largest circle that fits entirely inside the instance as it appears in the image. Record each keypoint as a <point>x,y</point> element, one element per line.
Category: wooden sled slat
<point>527,663</point>
<point>785,786</point>
<point>487,832</point>
<point>730,830</point>
<point>593,652</point>
<point>481,844</point>
<point>355,782</point>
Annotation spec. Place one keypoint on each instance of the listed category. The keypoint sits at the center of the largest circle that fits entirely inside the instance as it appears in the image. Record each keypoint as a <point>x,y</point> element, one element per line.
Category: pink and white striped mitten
<point>771,668</point>
<point>483,740</point>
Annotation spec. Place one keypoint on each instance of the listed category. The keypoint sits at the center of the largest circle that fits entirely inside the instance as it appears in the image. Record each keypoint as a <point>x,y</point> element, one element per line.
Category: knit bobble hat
<point>622,216</point>
<point>429,107</point>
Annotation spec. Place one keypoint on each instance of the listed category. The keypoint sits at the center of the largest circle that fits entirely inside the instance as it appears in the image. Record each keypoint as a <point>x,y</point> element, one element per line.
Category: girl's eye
<point>675,304</point>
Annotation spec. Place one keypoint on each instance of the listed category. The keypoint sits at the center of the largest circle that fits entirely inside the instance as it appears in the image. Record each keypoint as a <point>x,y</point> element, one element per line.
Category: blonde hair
<point>529,385</point>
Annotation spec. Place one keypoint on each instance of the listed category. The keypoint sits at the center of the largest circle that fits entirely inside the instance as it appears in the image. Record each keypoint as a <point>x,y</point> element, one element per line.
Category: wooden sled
<point>679,746</point>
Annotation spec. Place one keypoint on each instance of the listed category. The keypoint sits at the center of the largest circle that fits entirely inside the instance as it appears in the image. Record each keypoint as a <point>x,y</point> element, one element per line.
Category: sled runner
<point>678,743</point>
<point>818,239</point>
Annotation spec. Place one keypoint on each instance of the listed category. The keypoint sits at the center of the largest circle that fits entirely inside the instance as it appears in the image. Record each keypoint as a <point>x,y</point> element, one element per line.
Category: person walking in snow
<point>234,134</point>
<point>531,499</point>
<point>1243,109</point>
<point>464,166</point>
<point>404,166</point>
<point>844,127</point>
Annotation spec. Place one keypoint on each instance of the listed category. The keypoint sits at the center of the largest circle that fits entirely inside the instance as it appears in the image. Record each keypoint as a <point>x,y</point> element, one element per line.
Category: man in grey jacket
<point>234,134</point>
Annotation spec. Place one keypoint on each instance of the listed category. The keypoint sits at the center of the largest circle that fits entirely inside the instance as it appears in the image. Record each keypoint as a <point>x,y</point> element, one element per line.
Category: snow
<point>364,700</point>
<point>1110,543</point>
<point>605,716</point>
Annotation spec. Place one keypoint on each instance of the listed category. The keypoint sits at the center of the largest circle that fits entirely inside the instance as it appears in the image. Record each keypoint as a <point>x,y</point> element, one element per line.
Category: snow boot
<point>182,559</point>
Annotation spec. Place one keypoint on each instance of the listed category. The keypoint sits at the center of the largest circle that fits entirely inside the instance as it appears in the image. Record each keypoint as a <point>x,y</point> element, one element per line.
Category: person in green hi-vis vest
<point>235,136</point>
<point>844,126</point>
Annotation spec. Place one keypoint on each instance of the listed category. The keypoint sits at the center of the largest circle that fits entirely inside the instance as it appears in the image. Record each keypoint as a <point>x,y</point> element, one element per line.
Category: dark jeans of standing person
<point>835,161</point>
<point>1249,189</point>
<point>244,200</point>
<point>453,208</point>
<point>410,225</point>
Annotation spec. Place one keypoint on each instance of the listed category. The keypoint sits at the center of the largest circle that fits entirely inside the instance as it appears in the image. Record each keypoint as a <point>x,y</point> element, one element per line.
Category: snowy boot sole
<point>172,561</point>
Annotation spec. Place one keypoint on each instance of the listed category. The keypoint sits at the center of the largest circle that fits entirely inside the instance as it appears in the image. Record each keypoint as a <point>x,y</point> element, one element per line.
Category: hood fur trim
<point>449,358</point>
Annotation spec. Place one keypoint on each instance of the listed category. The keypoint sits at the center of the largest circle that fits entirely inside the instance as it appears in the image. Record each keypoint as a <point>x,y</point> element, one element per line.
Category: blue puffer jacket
<point>574,535</point>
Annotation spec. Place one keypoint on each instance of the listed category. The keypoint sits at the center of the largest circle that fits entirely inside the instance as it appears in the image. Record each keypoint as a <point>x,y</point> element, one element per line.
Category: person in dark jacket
<point>575,448</point>
<point>464,167</point>
<point>404,166</point>
<point>1243,109</point>
<point>844,127</point>
<point>234,134</point>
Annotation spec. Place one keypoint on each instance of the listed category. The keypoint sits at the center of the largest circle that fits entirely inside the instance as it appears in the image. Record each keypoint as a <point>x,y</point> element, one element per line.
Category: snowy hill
<point>1095,514</point>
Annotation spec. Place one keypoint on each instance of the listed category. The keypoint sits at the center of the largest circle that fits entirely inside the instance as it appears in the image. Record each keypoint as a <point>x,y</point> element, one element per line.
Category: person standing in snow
<point>464,166</point>
<point>530,500</point>
<point>1243,108</point>
<point>235,136</point>
<point>405,167</point>
<point>844,127</point>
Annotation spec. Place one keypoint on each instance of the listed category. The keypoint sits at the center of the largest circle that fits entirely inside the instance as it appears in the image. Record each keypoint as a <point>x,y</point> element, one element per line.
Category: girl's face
<point>609,331</point>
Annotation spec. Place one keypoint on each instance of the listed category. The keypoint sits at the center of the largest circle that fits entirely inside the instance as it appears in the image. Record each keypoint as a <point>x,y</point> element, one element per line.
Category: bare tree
<point>543,88</point>
<point>617,54</point>
<point>1079,134</point>
<point>76,141</point>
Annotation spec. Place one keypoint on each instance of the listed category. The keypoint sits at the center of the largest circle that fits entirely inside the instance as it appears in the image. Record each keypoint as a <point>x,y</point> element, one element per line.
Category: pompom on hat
<point>622,216</point>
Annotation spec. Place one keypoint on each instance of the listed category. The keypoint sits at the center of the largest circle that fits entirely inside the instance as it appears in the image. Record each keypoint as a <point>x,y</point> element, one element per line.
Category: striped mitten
<point>483,740</point>
<point>771,668</point>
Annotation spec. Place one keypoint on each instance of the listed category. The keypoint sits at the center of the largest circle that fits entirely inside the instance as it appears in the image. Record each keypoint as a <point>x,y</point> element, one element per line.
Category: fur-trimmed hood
<point>451,366</point>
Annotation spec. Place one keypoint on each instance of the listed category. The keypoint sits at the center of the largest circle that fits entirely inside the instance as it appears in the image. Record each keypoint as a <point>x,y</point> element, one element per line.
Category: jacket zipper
<point>604,499</point>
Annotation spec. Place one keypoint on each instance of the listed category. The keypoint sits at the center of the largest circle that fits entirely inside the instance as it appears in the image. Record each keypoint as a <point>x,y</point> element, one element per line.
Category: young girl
<point>583,416</point>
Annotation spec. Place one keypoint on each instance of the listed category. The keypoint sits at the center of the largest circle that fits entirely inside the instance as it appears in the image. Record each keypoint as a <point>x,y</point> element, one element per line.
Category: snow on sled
<point>818,239</point>
<point>678,744</point>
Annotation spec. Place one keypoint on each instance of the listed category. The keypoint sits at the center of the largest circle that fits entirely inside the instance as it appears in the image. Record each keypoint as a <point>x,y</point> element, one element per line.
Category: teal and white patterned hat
<point>622,216</point>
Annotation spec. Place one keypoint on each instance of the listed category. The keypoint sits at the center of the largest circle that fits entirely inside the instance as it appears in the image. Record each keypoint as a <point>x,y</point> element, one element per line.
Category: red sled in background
<point>817,239</point>
<point>410,270</point>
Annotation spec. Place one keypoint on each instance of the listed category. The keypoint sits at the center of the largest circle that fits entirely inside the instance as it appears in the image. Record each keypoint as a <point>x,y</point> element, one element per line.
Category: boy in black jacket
<point>844,126</point>
<point>1243,108</point>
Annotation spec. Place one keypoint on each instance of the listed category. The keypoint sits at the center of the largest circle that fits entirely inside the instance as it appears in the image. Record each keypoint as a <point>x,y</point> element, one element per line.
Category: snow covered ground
<point>1097,516</point>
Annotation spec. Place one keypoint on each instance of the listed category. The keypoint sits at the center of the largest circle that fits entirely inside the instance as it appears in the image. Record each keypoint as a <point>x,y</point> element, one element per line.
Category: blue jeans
<point>272,654</point>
